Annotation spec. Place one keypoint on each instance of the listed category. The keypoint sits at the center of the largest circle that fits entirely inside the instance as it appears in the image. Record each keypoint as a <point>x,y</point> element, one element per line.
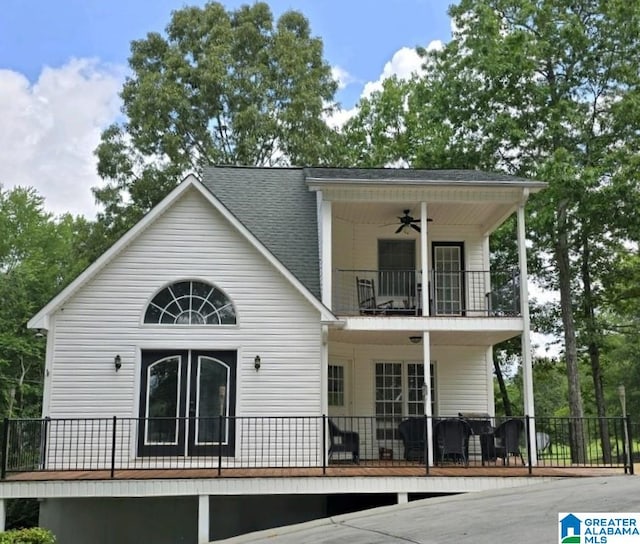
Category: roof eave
<point>531,185</point>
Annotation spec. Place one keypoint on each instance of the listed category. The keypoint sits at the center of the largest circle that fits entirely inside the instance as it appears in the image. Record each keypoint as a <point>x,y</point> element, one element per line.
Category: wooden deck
<point>343,471</point>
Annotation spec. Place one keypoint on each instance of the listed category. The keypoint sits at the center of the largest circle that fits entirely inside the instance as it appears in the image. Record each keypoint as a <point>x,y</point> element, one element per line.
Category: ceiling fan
<point>407,221</point>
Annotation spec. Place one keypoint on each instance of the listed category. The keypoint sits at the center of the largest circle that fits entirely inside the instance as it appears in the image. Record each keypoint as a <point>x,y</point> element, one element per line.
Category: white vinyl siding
<point>191,240</point>
<point>357,245</point>
<point>461,375</point>
<point>461,384</point>
<point>356,248</point>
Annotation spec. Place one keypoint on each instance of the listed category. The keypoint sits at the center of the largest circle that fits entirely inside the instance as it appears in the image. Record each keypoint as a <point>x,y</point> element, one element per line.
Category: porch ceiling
<point>438,338</point>
<point>484,214</point>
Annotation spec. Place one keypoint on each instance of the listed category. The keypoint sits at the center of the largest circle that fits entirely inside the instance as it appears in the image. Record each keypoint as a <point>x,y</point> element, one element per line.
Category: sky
<point>63,62</point>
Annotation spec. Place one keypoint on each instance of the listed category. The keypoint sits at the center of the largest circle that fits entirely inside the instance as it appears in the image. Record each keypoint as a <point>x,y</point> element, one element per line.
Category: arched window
<point>190,303</point>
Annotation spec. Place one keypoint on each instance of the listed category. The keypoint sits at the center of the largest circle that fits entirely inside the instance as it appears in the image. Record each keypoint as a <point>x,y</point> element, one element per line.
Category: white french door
<point>399,394</point>
<point>448,278</point>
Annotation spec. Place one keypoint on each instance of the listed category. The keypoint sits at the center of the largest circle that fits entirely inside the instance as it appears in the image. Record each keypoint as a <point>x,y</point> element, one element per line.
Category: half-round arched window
<point>190,303</point>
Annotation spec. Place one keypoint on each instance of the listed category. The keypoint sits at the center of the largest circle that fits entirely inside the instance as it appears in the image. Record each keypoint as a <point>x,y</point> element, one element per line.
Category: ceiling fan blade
<point>415,227</point>
<point>399,229</point>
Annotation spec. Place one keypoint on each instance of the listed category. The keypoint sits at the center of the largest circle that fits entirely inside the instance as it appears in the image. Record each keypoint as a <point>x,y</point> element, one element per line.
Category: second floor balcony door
<point>448,278</point>
<point>397,271</point>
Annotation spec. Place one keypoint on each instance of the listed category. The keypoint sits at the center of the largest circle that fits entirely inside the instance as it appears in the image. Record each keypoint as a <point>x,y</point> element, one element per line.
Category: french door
<point>183,393</point>
<point>448,278</point>
<point>399,394</point>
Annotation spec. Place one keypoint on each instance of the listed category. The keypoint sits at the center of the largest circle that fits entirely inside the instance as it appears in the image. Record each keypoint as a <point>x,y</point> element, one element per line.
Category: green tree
<point>550,389</point>
<point>221,87</point>
<point>38,256</point>
<point>547,89</point>
<point>621,294</point>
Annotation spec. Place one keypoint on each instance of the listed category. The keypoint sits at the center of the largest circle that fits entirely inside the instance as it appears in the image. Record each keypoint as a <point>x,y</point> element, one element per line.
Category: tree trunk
<point>10,402</point>
<point>504,394</point>
<point>594,350</point>
<point>576,433</point>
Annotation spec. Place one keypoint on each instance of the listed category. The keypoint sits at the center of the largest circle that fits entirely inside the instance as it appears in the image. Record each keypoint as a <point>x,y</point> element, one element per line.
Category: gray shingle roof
<point>402,175</point>
<point>279,210</point>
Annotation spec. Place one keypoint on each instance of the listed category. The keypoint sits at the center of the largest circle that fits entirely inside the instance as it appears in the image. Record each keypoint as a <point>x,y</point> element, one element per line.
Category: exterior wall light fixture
<point>117,361</point>
<point>256,362</point>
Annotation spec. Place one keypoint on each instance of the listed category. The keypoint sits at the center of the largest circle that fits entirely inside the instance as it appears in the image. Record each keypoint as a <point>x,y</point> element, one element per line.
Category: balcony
<point>452,293</point>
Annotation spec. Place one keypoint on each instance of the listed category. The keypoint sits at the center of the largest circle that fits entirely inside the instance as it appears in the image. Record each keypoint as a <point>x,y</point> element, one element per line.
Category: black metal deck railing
<point>118,444</point>
<point>467,293</point>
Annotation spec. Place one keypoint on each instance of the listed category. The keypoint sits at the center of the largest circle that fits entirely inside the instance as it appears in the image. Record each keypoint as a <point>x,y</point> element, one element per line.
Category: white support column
<point>426,357</point>
<point>486,265</point>
<point>3,515</point>
<point>424,258</point>
<point>491,404</point>
<point>325,250</point>
<point>426,338</point>
<point>527,365</point>
<point>403,498</point>
<point>324,370</point>
<point>203,519</point>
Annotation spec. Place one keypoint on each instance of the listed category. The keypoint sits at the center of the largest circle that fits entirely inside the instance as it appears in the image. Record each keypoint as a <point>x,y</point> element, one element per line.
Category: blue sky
<point>62,63</point>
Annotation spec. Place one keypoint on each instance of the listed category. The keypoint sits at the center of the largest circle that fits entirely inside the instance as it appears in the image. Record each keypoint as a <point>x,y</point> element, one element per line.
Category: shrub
<point>34,535</point>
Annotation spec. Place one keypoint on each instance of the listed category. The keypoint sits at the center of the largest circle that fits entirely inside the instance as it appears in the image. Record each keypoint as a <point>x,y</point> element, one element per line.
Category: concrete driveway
<point>525,515</point>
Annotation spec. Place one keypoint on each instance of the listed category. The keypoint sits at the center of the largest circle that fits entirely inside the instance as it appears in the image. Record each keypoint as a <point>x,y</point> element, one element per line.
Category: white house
<point>217,333</point>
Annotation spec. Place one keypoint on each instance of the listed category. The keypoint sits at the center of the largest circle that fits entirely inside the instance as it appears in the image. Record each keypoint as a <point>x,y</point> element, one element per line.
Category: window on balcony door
<point>397,266</point>
<point>399,394</point>
<point>338,380</point>
<point>183,393</point>
<point>336,385</point>
<point>448,278</point>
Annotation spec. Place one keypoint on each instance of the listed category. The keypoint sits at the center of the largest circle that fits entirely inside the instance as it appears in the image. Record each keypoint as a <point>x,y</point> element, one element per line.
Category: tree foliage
<point>220,87</point>
<point>38,256</point>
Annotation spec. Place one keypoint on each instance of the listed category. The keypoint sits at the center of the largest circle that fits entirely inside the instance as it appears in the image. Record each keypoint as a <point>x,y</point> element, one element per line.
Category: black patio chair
<point>508,436</point>
<point>452,440</point>
<point>413,433</point>
<point>344,441</point>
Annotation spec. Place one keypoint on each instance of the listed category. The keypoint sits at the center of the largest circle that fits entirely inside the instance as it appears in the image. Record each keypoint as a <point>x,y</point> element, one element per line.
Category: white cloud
<point>403,64</point>
<point>341,76</point>
<point>340,116</point>
<point>50,129</point>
